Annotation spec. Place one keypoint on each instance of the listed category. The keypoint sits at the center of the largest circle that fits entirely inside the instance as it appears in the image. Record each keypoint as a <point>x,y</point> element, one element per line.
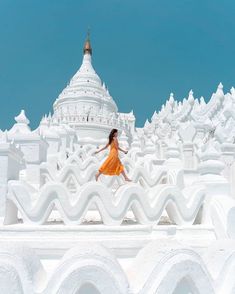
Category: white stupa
<point>86,105</point>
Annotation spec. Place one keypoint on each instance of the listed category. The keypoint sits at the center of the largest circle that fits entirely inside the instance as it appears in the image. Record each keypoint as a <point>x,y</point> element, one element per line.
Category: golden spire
<point>87,46</point>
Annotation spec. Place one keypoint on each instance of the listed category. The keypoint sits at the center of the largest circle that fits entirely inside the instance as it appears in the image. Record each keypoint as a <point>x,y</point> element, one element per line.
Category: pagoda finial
<point>87,46</point>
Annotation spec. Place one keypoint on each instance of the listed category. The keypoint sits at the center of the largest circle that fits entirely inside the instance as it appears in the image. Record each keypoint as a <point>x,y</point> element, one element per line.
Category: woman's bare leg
<point>97,175</point>
<point>125,176</point>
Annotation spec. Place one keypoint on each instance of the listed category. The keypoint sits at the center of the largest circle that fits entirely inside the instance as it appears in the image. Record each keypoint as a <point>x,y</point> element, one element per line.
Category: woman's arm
<point>117,146</point>
<point>124,151</point>
<point>106,146</point>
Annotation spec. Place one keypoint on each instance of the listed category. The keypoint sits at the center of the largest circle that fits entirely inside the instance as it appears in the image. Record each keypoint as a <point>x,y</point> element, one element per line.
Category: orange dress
<point>112,165</point>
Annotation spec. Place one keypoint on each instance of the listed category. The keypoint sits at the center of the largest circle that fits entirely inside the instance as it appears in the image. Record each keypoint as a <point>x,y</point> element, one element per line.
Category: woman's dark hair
<point>111,135</point>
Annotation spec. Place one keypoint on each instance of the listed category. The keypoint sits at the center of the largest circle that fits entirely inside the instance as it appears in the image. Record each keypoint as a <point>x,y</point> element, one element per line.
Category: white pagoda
<point>86,105</point>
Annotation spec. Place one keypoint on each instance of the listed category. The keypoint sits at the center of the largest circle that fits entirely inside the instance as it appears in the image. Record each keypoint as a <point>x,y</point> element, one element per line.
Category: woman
<point>112,165</point>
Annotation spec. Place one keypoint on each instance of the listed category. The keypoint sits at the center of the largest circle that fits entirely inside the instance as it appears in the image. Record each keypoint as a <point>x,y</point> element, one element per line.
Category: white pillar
<point>11,161</point>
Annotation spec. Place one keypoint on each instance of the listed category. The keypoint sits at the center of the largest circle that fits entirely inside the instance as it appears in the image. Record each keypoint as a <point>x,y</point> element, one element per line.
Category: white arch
<point>92,264</point>
<point>162,265</point>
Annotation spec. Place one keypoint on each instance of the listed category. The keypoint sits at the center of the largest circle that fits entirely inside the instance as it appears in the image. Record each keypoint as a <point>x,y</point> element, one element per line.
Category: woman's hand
<point>125,152</point>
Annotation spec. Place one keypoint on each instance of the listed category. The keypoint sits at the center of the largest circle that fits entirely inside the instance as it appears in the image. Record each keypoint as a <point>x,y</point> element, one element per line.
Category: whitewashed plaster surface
<point>171,230</point>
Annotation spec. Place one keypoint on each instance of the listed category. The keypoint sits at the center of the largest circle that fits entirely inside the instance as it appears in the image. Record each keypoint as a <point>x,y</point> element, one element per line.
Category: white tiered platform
<point>170,231</point>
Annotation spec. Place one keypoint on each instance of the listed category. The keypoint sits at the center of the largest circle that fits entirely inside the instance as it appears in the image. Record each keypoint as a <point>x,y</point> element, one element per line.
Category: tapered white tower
<point>86,105</point>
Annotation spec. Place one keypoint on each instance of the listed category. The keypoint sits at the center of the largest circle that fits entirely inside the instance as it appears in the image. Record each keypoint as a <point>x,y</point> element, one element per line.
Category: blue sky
<point>143,50</point>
